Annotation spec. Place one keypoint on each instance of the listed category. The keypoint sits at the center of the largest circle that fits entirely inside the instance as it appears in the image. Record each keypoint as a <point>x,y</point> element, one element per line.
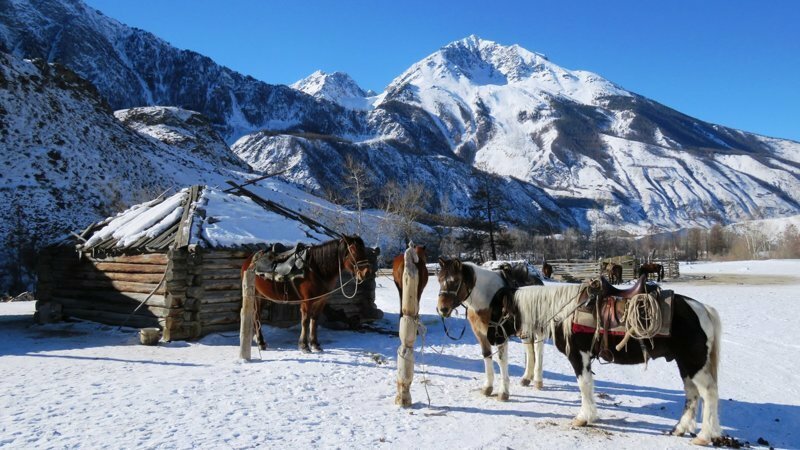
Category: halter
<point>356,262</point>
<point>454,294</point>
<point>459,302</point>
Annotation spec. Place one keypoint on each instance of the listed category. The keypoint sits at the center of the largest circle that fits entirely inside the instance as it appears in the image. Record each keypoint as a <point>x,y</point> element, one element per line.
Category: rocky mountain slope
<point>131,68</point>
<point>68,161</point>
<point>568,147</point>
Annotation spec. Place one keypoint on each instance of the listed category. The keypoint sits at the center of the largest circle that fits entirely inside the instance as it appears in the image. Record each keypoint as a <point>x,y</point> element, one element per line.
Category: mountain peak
<point>337,87</point>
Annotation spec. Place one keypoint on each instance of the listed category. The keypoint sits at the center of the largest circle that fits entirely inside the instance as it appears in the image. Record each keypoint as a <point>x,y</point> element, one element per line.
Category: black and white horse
<point>485,293</point>
<point>694,344</point>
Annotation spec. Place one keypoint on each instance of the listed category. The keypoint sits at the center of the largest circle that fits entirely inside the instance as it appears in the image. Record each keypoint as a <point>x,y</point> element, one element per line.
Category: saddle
<point>606,314</point>
<point>281,263</point>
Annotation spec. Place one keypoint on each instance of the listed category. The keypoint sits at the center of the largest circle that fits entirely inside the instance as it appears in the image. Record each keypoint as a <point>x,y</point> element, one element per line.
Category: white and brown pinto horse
<point>694,344</point>
<point>485,292</point>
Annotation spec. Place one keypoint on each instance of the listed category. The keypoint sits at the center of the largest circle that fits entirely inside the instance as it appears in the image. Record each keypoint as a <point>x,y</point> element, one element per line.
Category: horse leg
<point>530,361</point>
<point>305,319</point>
<point>581,363</point>
<point>710,429</point>
<point>488,366</point>
<point>533,362</point>
<point>687,422</point>
<point>538,358</point>
<point>316,309</point>
<point>262,344</point>
<point>502,355</point>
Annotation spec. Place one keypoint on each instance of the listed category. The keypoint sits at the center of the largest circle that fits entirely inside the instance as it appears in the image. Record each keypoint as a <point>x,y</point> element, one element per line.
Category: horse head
<point>354,257</point>
<point>456,282</point>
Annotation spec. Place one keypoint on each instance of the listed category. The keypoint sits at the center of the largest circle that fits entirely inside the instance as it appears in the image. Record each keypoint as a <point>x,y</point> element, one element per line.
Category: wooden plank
<point>114,319</point>
<point>227,254</point>
<point>219,318</point>
<point>219,264</point>
<point>118,308</point>
<point>184,231</point>
<point>149,258</point>
<point>214,308</point>
<point>221,274</point>
<point>112,296</point>
<point>221,296</point>
<point>222,285</point>
<point>131,268</point>
<point>92,274</point>
<point>123,286</point>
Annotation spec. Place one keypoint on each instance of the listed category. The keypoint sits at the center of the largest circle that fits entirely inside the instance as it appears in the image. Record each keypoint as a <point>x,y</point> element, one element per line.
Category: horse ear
<point>441,261</point>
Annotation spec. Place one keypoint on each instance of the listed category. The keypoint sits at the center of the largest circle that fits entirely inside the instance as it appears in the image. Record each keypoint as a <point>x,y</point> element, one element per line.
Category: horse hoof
<point>701,441</point>
<point>304,349</point>
<point>403,400</point>
<point>316,349</point>
<point>579,422</point>
<point>538,385</point>
<point>487,391</point>
<point>503,397</point>
<point>525,382</point>
<point>262,346</point>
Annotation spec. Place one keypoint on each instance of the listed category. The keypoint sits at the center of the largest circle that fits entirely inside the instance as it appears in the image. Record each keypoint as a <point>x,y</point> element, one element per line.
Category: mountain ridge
<point>602,156</point>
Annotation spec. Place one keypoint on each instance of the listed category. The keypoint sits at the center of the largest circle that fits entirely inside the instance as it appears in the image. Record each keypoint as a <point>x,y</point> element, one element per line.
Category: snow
<point>231,221</point>
<point>80,384</point>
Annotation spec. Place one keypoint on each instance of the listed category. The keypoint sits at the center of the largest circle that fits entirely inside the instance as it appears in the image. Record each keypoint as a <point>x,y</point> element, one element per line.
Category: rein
<point>447,332</point>
<point>356,263</point>
<point>460,303</point>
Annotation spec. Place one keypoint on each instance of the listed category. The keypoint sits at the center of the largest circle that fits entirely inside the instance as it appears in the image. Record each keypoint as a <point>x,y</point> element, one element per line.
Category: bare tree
<point>404,205</point>
<point>359,185</point>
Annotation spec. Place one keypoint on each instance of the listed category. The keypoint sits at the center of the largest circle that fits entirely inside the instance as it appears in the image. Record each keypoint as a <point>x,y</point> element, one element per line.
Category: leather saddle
<point>281,263</point>
<point>614,301</point>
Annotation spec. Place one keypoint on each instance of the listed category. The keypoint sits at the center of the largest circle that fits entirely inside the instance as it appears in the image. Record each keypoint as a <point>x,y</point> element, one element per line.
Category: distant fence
<point>574,270</point>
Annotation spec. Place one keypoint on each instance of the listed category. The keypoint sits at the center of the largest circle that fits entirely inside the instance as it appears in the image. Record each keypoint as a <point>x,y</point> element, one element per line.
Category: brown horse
<point>649,268</point>
<point>614,273</point>
<point>397,273</point>
<point>324,265</point>
<point>547,270</point>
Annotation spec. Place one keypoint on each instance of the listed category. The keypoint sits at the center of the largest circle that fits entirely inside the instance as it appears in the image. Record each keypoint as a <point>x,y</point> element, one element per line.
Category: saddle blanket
<point>583,320</point>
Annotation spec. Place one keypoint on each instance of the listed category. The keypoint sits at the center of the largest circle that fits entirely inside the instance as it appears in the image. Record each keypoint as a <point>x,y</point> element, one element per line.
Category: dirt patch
<point>736,279</point>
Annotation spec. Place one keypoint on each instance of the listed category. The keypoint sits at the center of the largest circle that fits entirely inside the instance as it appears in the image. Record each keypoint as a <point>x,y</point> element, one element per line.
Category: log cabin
<point>180,257</point>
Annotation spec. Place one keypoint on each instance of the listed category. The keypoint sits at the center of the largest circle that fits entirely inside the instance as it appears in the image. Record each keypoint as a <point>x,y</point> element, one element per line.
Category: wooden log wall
<point>216,292</point>
<point>201,292</point>
<point>108,289</point>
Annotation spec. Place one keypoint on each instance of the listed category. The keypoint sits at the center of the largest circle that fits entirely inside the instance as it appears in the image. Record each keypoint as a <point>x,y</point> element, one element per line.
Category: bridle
<point>454,293</point>
<point>459,302</point>
<point>356,263</point>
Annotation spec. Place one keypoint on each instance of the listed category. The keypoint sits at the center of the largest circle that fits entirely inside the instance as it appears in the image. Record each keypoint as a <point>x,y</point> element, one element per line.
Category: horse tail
<point>714,352</point>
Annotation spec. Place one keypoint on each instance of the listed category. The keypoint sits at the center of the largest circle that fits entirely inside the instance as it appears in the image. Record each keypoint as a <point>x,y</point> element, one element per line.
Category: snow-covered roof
<point>211,217</point>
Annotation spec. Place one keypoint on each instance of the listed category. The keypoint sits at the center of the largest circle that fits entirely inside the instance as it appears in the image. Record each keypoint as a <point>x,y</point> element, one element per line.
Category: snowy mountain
<point>189,133</point>
<point>336,87</point>
<point>68,161</point>
<point>131,68</point>
<point>579,136</point>
<point>568,147</point>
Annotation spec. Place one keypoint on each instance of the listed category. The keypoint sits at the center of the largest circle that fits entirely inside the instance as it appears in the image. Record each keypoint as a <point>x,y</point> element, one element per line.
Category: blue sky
<point>735,63</point>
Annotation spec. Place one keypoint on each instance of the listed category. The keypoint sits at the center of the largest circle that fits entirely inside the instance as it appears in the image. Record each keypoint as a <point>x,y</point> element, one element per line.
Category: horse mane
<point>325,256</point>
<point>468,275</point>
<point>542,307</point>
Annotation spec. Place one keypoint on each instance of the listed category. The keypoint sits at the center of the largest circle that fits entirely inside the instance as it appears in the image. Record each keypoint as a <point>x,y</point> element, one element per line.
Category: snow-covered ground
<point>83,385</point>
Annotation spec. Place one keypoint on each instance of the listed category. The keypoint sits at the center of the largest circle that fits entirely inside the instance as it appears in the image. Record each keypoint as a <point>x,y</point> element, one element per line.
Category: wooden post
<point>408,327</point>
<point>248,313</point>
